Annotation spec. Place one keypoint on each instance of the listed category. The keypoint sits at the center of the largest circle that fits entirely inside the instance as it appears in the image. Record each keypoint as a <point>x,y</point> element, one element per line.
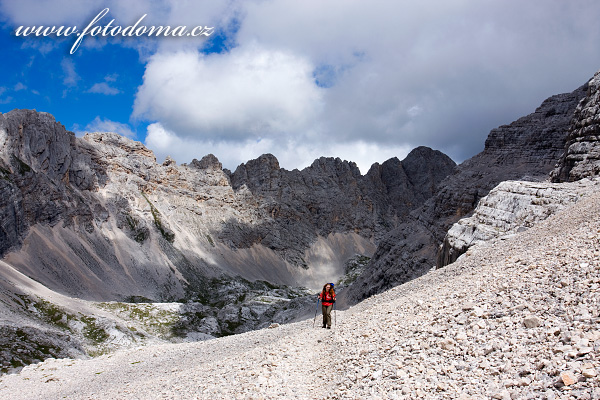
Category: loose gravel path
<point>512,319</point>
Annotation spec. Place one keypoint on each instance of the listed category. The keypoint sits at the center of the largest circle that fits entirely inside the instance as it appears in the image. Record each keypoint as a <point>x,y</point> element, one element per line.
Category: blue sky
<point>78,89</point>
<point>359,80</point>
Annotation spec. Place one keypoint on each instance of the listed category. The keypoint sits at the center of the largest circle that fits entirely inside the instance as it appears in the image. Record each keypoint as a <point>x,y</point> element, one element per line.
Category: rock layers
<point>511,207</point>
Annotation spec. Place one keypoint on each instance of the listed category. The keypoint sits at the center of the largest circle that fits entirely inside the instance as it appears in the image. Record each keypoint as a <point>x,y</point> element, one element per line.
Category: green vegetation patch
<point>154,319</point>
<point>92,331</point>
<point>140,234</point>
<point>210,240</point>
<point>354,267</point>
<point>53,314</point>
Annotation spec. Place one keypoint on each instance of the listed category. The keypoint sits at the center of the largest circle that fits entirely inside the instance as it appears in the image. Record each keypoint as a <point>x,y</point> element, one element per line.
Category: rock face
<point>98,219</point>
<point>582,153</point>
<point>512,207</point>
<point>527,149</point>
<point>331,196</point>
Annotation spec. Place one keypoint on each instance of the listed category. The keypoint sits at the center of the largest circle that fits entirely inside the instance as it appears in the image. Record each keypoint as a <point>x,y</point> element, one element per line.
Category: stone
<point>446,344</point>
<point>589,371</point>
<point>568,378</point>
<point>581,351</point>
<point>532,322</point>
<point>503,395</point>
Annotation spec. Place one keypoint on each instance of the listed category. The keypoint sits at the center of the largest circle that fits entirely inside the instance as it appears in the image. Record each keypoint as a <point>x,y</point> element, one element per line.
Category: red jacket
<point>328,300</point>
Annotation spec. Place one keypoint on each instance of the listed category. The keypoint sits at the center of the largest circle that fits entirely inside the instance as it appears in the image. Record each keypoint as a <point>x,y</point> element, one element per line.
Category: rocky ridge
<point>513,318</point>
<point>124,225</point>
<point>98,220</point>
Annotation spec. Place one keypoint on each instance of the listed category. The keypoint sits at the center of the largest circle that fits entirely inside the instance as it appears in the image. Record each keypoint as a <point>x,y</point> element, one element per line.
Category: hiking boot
<point>328,327</point>
<point>324,326</point>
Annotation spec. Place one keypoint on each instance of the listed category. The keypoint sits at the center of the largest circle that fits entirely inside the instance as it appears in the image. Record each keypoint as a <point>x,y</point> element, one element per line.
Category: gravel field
<point>515,318</point>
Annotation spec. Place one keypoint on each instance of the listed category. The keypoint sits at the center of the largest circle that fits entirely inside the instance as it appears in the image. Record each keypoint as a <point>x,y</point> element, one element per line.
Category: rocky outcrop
<point>581,157</point>
<point>527,149</point>
<point>512,207</point>
<point>43,171</point>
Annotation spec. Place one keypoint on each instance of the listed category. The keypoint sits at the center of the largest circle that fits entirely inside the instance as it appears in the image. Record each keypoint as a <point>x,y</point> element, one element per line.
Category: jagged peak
<point>335,163</point>
<point>267,159</point>
<point>209,161</point>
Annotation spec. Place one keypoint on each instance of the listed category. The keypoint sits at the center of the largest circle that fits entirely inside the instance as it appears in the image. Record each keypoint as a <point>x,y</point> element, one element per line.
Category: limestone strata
<point>511,207</point>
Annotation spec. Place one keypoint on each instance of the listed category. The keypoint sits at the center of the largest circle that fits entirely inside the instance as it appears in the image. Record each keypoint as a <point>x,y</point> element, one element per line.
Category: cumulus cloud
<point>352,79</point>
<point>106,125</point>
<point>251,92</point>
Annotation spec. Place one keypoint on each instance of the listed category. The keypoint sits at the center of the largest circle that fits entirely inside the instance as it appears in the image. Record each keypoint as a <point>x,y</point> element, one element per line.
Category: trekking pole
<point>317,309</point>
<point>334,316</point>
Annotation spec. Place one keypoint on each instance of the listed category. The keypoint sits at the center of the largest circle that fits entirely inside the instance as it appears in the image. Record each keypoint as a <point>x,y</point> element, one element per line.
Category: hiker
<point>327,297</point>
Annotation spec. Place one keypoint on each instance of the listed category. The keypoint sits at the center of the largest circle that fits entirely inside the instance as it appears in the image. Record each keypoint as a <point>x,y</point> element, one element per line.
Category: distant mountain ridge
<point>117,224</point>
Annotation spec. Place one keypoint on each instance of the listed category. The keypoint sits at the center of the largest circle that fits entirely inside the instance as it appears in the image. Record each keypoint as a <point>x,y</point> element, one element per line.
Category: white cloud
<point>103,88</point>
<point>105,125</point>
<point>469,65</point>
<point>251,92</point>
<point>342,76</point>
<point>70,77</point>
